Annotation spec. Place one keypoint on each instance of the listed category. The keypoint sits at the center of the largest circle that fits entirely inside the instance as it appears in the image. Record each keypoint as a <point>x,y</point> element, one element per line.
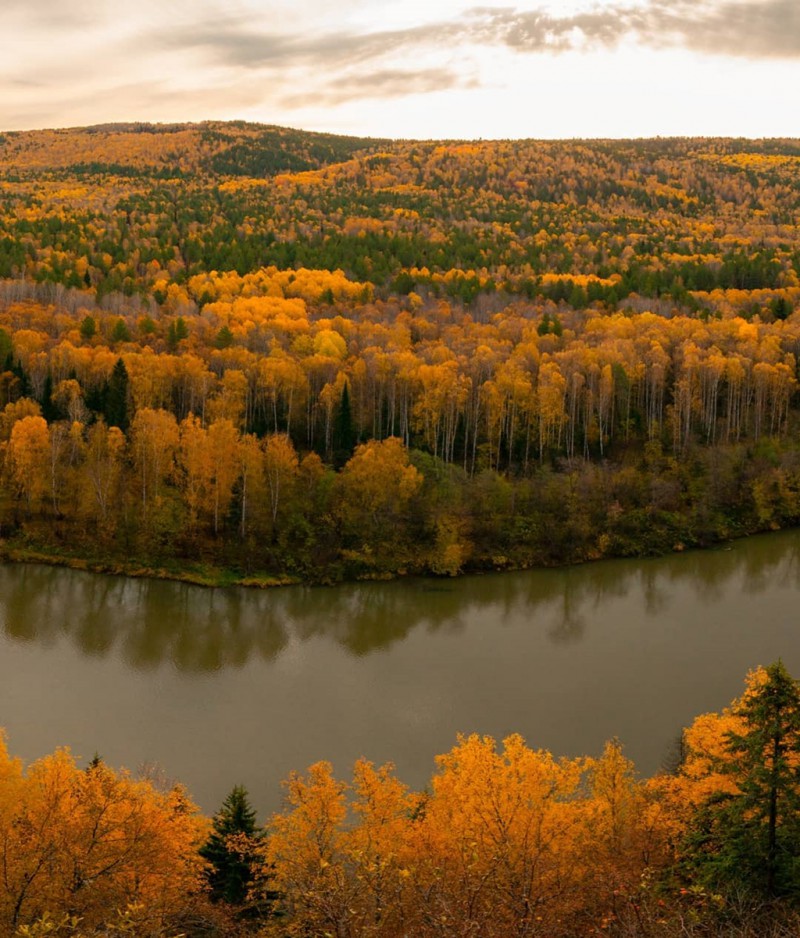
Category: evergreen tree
<point>224,338</point>
<point>6,356</point>
<point>120,332</point>
<point>177,332</point>
<point>750,841</point>
<point>49,410</point>
<point>343,431</point>
<point>88,328</point>
<point>232,864</point>
<point>24,384</point>
<point>544,326</point>
<point>115,400</point>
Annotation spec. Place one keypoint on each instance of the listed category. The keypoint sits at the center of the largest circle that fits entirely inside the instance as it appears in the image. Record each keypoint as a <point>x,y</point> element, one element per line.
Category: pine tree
<point>6,355</point>
<point>231,849</point>
<point>750,841</point>
<point>88,328</point>
<point>49,410</point>
<point>343,432</point>
<point>115,400</point>
<point>224,338</point>
<point>23,382</point>
<point>120,332</point>
<point>177,332</point>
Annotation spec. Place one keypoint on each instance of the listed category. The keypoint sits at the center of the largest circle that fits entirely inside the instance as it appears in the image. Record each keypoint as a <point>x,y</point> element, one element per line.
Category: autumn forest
<point>233,353</point>
<point>506,840</point>
<point>242,353</point>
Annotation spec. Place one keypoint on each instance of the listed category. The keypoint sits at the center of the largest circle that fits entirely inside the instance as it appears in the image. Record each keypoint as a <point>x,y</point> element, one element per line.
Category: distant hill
<point>114,207</point>
<point>233,148</point>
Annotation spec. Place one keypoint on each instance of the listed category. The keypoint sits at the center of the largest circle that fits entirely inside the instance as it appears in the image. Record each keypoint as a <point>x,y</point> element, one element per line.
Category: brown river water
<point>218,687</point>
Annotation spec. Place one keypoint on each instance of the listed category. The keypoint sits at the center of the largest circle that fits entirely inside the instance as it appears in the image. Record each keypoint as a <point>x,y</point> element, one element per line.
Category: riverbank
<point>23,551</point>
<point>193,574</point>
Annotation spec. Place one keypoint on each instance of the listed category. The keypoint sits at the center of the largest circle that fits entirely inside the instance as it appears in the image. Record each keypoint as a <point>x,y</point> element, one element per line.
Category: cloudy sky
<point>408,68</point>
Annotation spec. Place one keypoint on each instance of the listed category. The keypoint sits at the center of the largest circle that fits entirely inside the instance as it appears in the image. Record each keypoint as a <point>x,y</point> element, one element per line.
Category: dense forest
<point>246,352</point>
<point>506,840</point>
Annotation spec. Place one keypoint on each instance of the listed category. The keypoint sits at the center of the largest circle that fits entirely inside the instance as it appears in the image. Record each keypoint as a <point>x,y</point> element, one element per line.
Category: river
<point>217,687</point>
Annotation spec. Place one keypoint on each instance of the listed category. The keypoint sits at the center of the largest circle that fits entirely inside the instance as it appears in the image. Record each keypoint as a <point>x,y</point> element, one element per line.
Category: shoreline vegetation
<point>505,839</point>
<point>21,551</point>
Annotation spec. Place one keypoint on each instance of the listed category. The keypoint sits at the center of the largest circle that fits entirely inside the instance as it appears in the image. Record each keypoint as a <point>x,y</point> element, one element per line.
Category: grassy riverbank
<point>20,551</point>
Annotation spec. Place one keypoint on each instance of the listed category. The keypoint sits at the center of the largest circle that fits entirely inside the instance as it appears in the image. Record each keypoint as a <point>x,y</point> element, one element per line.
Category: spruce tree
<point>224,338</point>
<point>120,332</point>
<point>6,354</point>
<point>115,400</point>
<point>749,841</point>
<point>343,431</point>
<point>232,864</point>
<point>88,328</point>
<point>49,410</point>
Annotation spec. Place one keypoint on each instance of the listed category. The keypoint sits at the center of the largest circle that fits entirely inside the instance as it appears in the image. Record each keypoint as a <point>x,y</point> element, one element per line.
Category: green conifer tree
<point>120,332</point>
<point>224,338</point>
<point>749,842</point>
<point>115,399</point>
<point>231,849</point>
<point>88,328</point>
<point>343,431</point>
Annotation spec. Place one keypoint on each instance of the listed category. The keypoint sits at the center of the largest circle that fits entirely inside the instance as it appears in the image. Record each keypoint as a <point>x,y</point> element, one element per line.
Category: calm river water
<point>233,686</point>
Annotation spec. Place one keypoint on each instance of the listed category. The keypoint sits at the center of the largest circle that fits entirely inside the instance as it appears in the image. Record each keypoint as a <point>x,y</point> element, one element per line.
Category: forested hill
<point>414,354</point>
<point>169,151</point>
<point>649,217</point>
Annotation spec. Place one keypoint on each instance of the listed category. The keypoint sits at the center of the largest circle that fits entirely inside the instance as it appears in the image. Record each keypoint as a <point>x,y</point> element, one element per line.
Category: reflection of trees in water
<point>150,621</point>
<point>759,563</point>
<point>198,630</point>
<point>370,616</point>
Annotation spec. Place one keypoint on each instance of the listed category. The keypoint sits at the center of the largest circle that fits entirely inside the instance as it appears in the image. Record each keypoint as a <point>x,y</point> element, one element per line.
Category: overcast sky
<point>408,68</point>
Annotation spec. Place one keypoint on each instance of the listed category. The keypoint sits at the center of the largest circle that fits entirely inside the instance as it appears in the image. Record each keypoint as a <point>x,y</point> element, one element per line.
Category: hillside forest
<point>244,353</point>
<point>506,840</point>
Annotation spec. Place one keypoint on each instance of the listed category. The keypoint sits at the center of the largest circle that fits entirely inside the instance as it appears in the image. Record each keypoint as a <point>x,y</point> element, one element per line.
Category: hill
<point>661,216</point>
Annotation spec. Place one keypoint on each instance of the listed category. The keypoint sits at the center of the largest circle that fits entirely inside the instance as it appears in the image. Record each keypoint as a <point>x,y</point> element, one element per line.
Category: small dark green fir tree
<point>120,332</point>
<point>343,431</point>
<point>88,328</point>
<point>230,850</point>
<point>49,410</point>
<point>224,338</point>
<point>115,399</point>
<point>177,332</point>
<point>6,356</point>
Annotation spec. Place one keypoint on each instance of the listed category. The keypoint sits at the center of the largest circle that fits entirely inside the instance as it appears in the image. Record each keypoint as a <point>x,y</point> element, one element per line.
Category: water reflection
<point>197,630</point>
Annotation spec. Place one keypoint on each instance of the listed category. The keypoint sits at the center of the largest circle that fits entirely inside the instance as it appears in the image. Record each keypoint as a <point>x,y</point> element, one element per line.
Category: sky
<point>409,68</point>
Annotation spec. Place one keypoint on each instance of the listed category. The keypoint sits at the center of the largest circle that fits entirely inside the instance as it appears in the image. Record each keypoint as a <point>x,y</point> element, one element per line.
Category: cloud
<point>53,14</point>
<point>236,42</point>
<point>742,28</point>
<point>337,65</point>
<point>385,83</point>
<point>749,28</point>
<point>218,57</point>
